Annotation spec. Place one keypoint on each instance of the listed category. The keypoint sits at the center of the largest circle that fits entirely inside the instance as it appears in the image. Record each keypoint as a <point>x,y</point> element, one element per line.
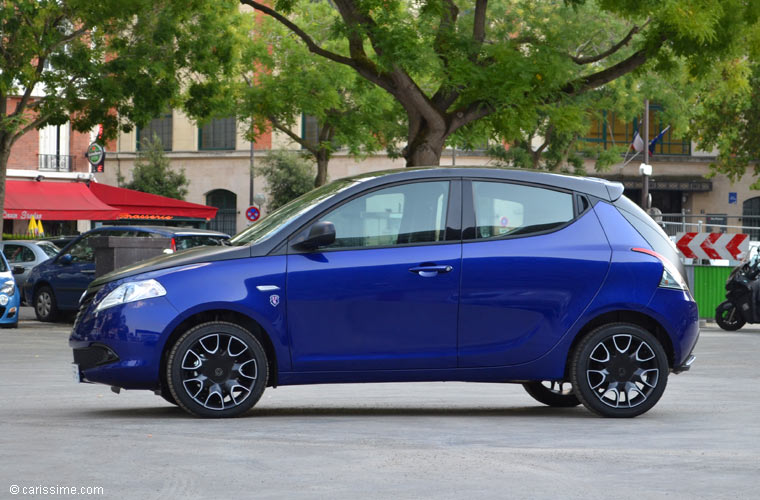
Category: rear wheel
<point>619,370</point>
<point>552,393</point>
<point>217,369</point>
<point>728,317</point>
<point>45,306</point>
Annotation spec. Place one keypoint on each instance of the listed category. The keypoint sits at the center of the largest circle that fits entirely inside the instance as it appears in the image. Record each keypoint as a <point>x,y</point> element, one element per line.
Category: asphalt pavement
<point>417,440</point>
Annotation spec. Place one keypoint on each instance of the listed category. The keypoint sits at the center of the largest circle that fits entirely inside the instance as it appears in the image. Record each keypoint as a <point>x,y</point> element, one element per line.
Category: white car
<point>27,254</point>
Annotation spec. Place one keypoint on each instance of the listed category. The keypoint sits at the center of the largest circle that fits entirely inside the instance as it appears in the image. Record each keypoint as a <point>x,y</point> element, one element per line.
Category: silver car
<point>27,254</point>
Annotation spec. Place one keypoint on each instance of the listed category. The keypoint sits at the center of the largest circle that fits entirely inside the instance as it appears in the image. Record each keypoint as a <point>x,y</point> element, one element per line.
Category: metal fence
<point>56,163</point>
<point>683,223</point>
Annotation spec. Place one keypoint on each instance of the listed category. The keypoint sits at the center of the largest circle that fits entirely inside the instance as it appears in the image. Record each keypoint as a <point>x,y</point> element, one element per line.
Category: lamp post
<point>645,177</point>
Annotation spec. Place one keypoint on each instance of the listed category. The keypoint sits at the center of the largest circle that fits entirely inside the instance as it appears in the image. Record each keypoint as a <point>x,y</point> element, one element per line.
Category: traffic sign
<point>252,214</point>
<point>712,245</point>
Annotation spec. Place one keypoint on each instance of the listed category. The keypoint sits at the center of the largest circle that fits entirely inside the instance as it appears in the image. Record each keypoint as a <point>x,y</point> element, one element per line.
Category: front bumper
<point>122,345</point>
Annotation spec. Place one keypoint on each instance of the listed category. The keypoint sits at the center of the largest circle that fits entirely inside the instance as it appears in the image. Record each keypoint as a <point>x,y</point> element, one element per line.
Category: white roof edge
<point>15,173</point>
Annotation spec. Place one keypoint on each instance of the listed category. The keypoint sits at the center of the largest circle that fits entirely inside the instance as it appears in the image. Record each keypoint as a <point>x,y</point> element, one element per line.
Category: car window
<point>403,214</point>
<point>82,250</point>
<point>504,209</point>
<point>49,249</point>
<point>190,241</point>
<point>17,253</point>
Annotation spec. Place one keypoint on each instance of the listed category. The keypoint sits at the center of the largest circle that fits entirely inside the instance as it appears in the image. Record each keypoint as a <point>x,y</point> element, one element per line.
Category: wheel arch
<point>624,316</point>
<point>229,316</point>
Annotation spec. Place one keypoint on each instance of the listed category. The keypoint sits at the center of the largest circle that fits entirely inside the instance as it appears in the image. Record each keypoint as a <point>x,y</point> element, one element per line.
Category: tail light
<point>671,277</point>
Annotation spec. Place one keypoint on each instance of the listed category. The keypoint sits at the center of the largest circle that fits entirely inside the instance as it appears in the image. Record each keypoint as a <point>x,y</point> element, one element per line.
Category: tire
<point>614,357</point>
<point>45,306</point>
<point>555,394</point>
<point>728,317</point>
<point>166,394</point>
<point>217,370</point>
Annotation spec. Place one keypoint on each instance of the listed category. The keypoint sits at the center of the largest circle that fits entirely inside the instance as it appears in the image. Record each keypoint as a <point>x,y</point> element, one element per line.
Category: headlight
<point>8,288</point>
<point>130,292</point>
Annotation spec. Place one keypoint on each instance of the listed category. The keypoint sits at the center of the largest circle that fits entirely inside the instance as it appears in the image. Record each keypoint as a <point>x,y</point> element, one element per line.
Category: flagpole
<point>645,178</point>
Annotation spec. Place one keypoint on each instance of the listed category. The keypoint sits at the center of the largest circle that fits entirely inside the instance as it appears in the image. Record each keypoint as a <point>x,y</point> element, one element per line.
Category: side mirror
<point>66,259</point>
<point>18,270</point>
<point>321,234</point>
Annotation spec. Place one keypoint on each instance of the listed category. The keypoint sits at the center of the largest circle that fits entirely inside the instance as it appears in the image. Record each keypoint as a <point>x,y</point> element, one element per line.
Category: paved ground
<point>424,440</point>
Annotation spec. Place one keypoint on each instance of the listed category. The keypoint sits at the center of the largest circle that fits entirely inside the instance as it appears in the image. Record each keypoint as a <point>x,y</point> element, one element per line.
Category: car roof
<point>600,188</point>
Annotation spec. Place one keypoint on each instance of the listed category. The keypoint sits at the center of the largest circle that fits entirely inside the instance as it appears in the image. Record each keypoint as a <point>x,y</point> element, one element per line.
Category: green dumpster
<point>710,288</point>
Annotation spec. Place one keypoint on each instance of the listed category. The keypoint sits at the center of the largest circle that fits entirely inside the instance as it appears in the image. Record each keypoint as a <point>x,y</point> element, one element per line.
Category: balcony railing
<point>55,163</point>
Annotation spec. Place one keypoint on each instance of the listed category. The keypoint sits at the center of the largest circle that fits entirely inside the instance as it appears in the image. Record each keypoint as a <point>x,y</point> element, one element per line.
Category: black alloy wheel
<point>217,369</point>
<point>45,306</point>
<point>728,317</point>
<point>558,394</point>
<point>619,370</point>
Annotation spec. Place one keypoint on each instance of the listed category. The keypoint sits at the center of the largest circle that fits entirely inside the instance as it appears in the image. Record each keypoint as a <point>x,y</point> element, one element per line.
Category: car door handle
<point>430,271</point>
<point>92,271</point>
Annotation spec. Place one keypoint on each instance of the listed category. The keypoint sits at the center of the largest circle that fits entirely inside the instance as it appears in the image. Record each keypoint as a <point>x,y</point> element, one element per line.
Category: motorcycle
<point>741,292</point>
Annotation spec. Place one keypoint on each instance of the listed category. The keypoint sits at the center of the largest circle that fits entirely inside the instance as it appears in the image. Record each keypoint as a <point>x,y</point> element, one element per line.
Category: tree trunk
<point>322,159</point>
<point>5,153</point>
<point>425,148</point>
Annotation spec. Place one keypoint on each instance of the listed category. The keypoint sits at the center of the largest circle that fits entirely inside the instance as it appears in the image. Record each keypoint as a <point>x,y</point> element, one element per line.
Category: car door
<point>384,295</point>
<point>532,260</point>
<point>71,275</point>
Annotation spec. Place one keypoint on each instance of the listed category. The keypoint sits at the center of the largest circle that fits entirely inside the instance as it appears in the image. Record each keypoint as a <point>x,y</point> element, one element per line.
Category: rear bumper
<point>686,365</point>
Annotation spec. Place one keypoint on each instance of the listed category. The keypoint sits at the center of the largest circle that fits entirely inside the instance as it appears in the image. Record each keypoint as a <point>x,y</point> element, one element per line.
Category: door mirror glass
<point>18,270</point>
<point>321,234</point>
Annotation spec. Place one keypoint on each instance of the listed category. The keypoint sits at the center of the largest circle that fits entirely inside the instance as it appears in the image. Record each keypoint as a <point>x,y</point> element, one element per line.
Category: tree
<point>288,175</point>
<point>152,173</point>
<point>108,62</point>
<point>291,82</point>
<point>450,65</point>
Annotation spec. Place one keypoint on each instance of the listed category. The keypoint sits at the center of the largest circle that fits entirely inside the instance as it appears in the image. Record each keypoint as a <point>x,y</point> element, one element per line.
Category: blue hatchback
<point>559,283</point>
<point>10,295</point>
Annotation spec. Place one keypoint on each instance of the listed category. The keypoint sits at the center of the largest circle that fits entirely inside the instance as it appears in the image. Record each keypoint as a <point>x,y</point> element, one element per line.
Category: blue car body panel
<point>9,312</point>
<point>355,309</point>
<point>508,309</point>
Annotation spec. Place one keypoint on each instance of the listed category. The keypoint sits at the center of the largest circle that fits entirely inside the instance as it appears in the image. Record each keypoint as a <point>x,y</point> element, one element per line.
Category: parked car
<point>10,295</point>
<point>27,254</point>
<point>61,241</point>
<point>56,285</point>
<point>559,283</point>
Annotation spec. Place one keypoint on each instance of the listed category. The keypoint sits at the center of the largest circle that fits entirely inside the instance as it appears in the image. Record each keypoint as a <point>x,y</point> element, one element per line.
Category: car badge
<point>274,300</point>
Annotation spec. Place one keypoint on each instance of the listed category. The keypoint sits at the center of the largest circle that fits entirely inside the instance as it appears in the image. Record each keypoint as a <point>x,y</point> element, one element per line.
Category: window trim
<point>468,210</point>
<point>452,225</point>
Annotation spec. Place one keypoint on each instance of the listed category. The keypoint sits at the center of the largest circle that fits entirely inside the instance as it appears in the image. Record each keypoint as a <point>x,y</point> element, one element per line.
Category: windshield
<point>272,223</point>
<point>49,249</point>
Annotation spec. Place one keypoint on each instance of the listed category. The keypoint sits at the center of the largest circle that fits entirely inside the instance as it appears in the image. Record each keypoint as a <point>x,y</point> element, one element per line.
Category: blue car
<point>55,286</point>
<point>10,295</point>
<point>558,283</point>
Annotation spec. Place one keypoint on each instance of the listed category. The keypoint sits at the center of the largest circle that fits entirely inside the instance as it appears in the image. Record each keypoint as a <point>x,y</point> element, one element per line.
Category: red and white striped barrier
<point>713,245</point>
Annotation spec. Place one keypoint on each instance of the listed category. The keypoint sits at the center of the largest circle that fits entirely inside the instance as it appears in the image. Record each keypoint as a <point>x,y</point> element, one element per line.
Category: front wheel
<point>728,317</point>
<point>45,306</point>
<point>619,370</point>
<point>551,393</point>
<point>217,369</point>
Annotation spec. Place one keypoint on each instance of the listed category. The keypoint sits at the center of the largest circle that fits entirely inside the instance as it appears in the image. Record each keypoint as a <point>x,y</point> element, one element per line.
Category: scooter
<point>741,290</point>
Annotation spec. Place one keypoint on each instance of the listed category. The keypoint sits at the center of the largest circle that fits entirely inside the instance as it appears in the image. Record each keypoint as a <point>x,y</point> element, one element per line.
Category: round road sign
<point>252,214</point>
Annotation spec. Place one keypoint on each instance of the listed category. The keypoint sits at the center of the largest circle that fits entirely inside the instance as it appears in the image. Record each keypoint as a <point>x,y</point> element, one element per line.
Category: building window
<point>609,131</point>
<point>161,127</point>
<point>226,217</point>
<point>309,129</point>
<point>218,134</point>
<point>751,217</point>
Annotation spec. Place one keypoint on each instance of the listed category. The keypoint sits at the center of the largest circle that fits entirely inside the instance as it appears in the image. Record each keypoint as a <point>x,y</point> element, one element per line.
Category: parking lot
<point>422,440</point>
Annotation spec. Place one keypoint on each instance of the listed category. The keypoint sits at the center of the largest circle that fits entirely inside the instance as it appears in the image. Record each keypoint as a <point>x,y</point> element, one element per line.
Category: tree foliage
<point>152,173</point>
<point>451,64</point>
<point>283,81</point>
<point>288,175</point>
<point>107,62</point>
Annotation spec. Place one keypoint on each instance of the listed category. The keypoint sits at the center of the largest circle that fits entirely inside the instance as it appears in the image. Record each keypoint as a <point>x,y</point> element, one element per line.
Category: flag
<point>659,137</point>
<point>638,143</point>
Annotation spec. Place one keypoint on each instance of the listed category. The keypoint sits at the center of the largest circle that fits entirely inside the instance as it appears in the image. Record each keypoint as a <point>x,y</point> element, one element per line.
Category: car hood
<point>185,257</point>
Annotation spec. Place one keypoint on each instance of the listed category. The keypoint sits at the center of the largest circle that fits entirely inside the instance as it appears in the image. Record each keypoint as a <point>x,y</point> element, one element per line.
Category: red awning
<point>54,201</point>
<point>135,204</point>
